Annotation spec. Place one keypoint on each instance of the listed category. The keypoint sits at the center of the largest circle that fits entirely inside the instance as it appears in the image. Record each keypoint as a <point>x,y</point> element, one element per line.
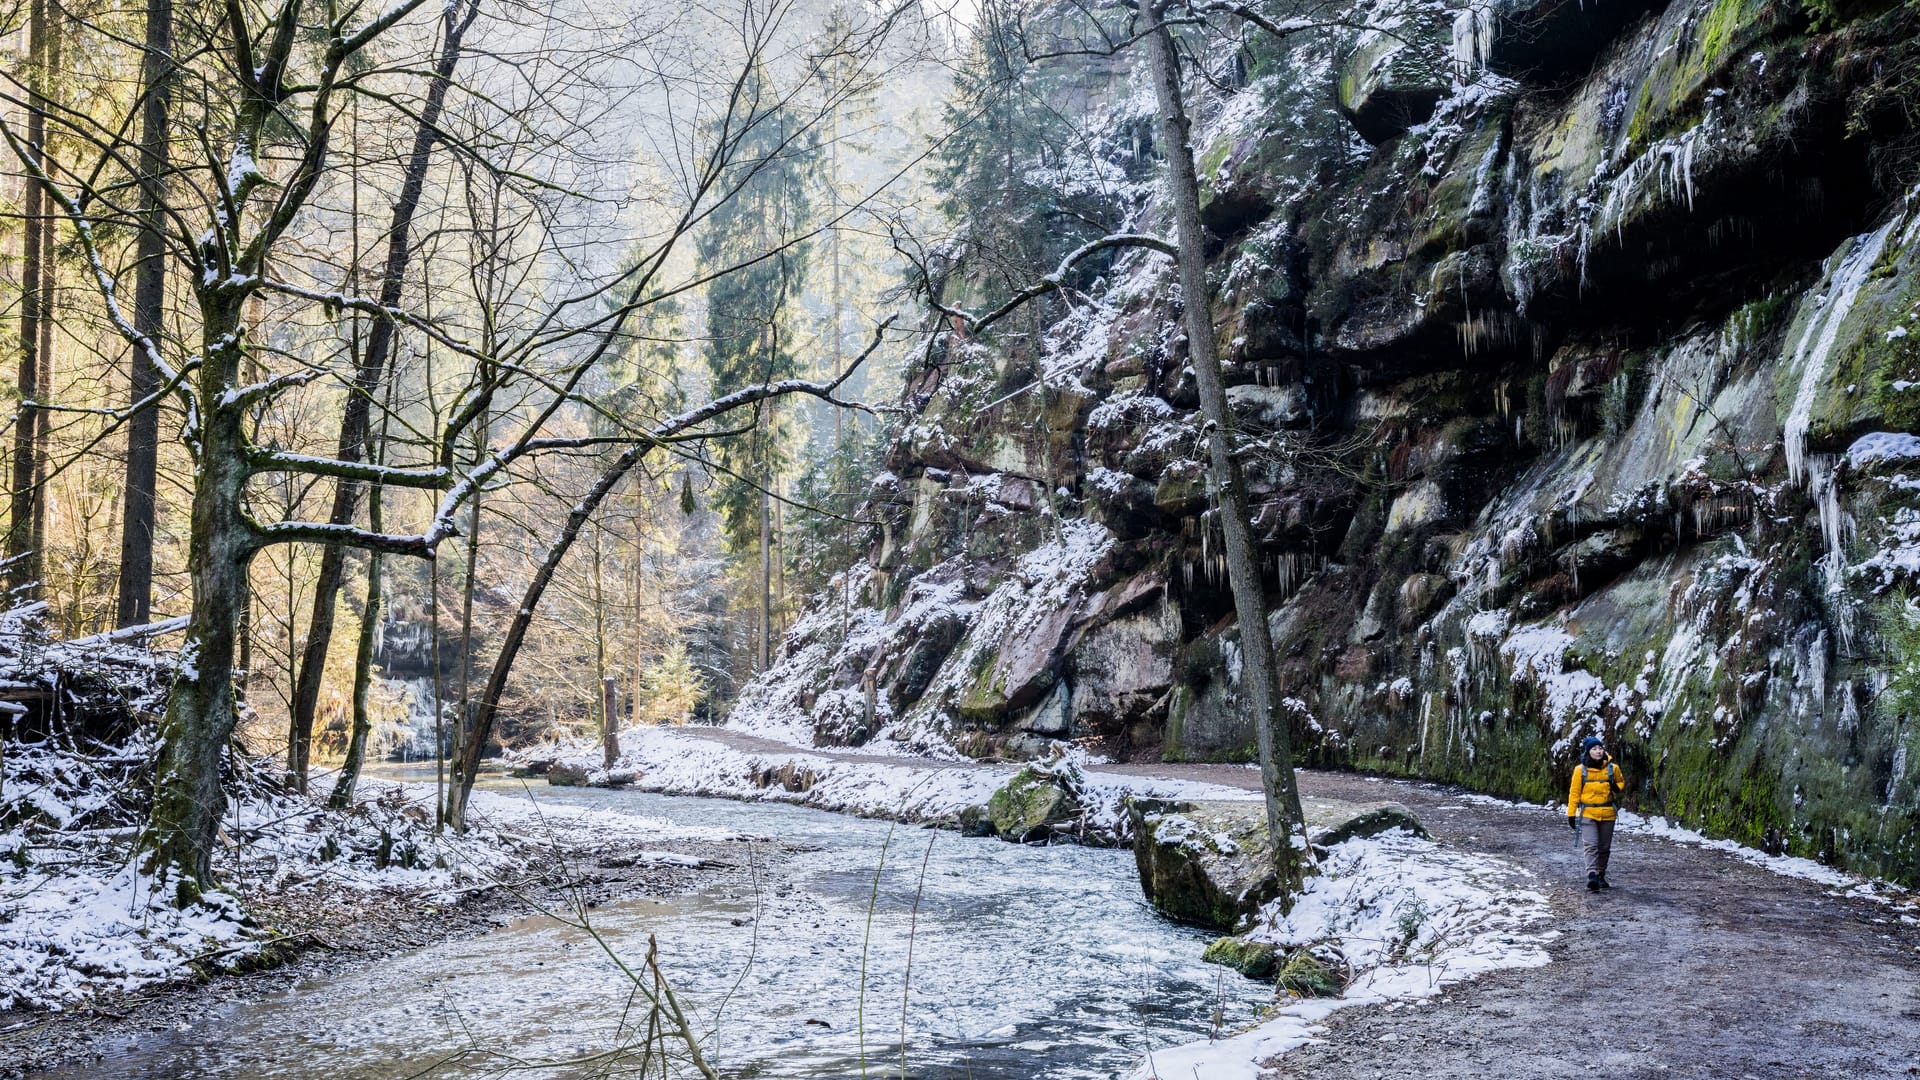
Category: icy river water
<point>1026,962</point>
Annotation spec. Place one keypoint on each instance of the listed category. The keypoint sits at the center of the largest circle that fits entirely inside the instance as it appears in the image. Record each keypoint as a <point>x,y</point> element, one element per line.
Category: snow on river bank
<point>1408,916</point>
<point>905,789</point>
<point>78,918</point>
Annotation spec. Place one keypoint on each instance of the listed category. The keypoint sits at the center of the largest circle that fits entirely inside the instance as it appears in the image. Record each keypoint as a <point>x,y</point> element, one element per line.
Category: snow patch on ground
<point>69,934</point>
<point>1410,916</point>
<point>79,917</point>
<point>1837,881</point>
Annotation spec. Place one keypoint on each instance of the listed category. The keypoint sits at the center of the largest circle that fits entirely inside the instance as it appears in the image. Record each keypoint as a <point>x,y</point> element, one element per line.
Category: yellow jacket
<point>1595,795</point>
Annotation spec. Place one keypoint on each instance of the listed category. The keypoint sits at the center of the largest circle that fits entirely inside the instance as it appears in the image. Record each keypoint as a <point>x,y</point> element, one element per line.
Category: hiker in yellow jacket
<point>1591,803</point>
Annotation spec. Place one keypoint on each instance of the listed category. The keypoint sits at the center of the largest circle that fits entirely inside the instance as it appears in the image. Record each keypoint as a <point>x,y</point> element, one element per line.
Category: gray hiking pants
<point>1597,838</point>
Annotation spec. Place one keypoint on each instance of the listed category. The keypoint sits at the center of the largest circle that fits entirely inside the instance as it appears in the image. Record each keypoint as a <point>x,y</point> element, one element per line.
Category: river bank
<point>314,894</point>
<point>720,762</point>
<point>847,940</point>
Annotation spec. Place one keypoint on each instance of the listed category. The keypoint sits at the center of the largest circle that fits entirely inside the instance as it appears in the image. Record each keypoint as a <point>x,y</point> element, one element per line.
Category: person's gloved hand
<point>1573,823</point>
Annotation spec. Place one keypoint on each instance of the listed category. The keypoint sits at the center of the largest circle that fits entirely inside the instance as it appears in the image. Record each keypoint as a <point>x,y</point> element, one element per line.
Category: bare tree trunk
<point>639,648</point>
<point>463,723</point>
<point>369,636</point>
<point>766,538</point>
<point>439,698</point>
<point>22,551</point>
<point>149,305</point>
<point>603,683</point>
<point>610,720</point>
<point>1285,821</point>
<point>455,20</point>
<point>42,419</point>
<point>362,670</point>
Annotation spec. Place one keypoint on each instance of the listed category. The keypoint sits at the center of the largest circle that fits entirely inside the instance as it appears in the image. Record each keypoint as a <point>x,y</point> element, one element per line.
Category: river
<point>1026,962</point>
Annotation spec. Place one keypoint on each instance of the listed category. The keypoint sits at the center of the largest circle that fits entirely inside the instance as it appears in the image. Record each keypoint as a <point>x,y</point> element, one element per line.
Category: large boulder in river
<point>1209,863</point>
<point>1204,863</point>
<point>1042,800</point>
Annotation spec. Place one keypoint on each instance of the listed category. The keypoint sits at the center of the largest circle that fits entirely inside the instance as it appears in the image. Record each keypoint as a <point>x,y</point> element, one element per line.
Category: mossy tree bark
<point>1285,820</point>
<point>188,800</point>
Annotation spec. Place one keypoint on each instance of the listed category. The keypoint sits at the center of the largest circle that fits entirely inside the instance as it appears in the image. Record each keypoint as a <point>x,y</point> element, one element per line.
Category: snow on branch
<point>423,545</point>
<point>432,479</point>
<point>974,324</point>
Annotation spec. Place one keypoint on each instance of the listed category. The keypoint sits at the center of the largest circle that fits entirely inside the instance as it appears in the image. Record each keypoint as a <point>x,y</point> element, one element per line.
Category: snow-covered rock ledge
<point>923,791</point>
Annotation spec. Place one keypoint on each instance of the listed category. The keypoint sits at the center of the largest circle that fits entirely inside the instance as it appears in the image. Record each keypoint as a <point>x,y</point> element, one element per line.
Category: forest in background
<point>563,218</point>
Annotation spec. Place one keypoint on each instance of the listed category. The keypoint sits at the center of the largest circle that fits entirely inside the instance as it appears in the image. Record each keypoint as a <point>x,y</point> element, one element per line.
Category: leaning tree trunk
<point>467,765</point>
<point>354,425</point>
<point>1257,683</point>
<point>187,800</point>
<point>362,671</point>
<point>149,299</point>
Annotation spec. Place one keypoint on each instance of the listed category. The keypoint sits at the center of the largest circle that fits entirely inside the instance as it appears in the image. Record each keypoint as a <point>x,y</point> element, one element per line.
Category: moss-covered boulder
<point>1254,959</point>
<point>1208,864</point>
<point>1041,801</point>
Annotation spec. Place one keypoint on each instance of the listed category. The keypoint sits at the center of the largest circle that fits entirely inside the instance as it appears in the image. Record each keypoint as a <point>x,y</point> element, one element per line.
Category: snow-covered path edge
<point>1838,882</point>
<point>1411,917</point>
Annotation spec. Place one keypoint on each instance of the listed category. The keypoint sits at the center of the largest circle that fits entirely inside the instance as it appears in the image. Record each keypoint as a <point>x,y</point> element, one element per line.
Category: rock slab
<point>1209,864</point>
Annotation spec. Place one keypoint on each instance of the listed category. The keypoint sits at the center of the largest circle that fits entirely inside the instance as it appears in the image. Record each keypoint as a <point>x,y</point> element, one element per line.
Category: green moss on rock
<point>1254,959</point>
<point>1033,805</point>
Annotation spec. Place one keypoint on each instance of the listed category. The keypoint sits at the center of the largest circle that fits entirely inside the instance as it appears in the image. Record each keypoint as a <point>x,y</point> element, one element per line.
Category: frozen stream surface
<point>1026,962</point>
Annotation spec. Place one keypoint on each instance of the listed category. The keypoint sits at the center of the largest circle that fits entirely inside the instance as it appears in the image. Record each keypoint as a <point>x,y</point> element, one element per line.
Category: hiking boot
<point>1604,883</point>
<point>1593,882</point>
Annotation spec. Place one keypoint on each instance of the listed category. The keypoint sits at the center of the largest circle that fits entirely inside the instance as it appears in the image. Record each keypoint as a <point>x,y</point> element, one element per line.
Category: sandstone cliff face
<point>1577,348</point>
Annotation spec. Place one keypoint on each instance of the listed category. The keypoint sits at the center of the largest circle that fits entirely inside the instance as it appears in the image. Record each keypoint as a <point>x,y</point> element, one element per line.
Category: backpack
<point>1613,789</point>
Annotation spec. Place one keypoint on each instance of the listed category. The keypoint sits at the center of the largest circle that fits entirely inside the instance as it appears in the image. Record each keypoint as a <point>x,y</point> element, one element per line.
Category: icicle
<point>1473,31</point>
<point>1899,769</point>
<point>1834,525</point>
<point>1817,340</point>
<point>1686,164</point>
<point>1426,724</point>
